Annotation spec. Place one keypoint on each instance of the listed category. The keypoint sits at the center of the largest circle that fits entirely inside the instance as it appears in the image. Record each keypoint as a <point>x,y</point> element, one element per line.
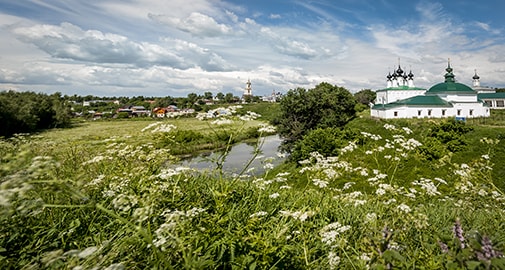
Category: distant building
<point>248,89</point>
<point>272,97</point>
<point>401,99</point>
<point>487,94</point>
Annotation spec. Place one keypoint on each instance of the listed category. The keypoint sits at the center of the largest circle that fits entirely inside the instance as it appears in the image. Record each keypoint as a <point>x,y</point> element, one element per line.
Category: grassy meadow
<point>101,195</point>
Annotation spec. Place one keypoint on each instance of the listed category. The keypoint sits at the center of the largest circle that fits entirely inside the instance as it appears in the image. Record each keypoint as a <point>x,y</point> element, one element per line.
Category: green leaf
<point>393,255</point>
<point>473,264</point>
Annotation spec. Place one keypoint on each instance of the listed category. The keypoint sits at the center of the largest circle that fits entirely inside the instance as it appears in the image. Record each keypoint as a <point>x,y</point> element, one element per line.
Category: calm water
<point>238,157</point>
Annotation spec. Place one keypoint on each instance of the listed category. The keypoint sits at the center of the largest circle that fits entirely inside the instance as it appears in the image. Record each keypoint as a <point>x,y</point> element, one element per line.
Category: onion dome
<point>411,76</point>
<point>389,76</point>
<point>450,86</point>
<point>449,76</point>
<point>399,70</point>
<point>475,77</point>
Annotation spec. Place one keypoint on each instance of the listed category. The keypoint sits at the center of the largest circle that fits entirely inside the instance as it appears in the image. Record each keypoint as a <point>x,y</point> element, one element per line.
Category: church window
<point>419,113</point>
<point>396,114</point>
<point>429,112</point>
<point>500,103</point>
<point>459,112</point>
<point>489,103</point>
<point>443,112</point>
<point>471,112</point>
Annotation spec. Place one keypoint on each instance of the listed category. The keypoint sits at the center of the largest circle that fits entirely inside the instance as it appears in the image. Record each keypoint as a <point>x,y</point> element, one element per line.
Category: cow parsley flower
<point>404,208</point>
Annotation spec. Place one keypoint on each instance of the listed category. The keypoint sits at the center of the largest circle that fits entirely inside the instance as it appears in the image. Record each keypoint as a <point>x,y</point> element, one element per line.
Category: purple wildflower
<point>488,252</point>
<point>443,246</point>
<point>458,233</point>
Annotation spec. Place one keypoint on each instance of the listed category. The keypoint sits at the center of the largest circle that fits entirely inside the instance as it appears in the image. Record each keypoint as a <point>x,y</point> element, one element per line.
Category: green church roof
<point>499,95</point>
<point>422,101</point>
<point>400,88</point>
<point>450,86</point>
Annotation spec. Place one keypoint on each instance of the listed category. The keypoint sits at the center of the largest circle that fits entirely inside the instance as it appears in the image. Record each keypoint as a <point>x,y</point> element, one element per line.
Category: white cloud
<point>196,23</point>
<point>119,47</point>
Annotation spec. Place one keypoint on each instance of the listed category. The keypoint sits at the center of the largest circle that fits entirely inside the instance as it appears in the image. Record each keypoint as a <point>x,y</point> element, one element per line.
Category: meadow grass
<point>102,196</point>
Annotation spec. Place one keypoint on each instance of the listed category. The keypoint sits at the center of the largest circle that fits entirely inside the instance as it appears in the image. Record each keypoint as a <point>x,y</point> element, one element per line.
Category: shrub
<point>326,141</point>
<point>302,110</point>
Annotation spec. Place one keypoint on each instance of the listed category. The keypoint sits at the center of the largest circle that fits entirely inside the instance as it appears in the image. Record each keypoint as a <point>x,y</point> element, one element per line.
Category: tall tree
<point>302,110</point>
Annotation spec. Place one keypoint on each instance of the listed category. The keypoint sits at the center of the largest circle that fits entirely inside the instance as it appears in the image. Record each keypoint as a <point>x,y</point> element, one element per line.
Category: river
<point>238,157</point>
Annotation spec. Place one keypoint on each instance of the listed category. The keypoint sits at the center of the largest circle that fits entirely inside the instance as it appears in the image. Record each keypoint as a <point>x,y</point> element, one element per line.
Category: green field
<point>100,195</point>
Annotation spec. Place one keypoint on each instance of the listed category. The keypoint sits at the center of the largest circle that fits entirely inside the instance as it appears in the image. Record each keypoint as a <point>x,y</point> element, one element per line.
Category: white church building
<point>401,99</point>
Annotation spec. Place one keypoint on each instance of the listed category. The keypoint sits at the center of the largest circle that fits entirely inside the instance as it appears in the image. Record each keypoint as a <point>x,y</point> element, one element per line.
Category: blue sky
<point>175,47</point>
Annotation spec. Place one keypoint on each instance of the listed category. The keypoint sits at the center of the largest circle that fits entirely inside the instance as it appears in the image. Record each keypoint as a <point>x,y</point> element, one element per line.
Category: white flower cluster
<point>389,127</point>
<point>299,215</point>
<point>169,172</point>
<point>320,183</point>
<point>249,116</point>
<point>265,128</point>
<point>349,148</point>
<point>159,127</point>
<point>218,112</point>
<point>374,137</point>
<point>330,232</point>
<point>428,186</point>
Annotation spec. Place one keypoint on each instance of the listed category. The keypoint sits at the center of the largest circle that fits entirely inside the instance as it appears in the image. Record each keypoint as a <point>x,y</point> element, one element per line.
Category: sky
<point>176,47</point>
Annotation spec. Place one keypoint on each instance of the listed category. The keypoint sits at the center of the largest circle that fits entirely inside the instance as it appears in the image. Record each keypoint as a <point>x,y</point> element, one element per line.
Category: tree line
<point>325,105</point>
<point>25,112</point>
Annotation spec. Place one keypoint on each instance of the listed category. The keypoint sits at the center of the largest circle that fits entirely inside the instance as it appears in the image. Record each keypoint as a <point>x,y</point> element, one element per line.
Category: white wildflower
<point>348,185</point>
<point>264,128</point>
<point>259,214</point>
<point>365,257</point>
<point>333,259</point>
<point>330,232</point>
<point>380,191</point>
<point>370,217</point>
<point>403,207</point>
<point>274,195</point>
<point>482,192</point>
<point>320,183</point>
<point>389,127</point>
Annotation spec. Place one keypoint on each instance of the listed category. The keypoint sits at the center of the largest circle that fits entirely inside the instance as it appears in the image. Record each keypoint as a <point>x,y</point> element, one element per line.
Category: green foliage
<point>22,112</point>
<point>268,111</point>
<point>450,133</point>
<point>325,141</point>
<point>303,110</point>
<point>365,96</point>
<point>122,115</point>
<point>96,201</point>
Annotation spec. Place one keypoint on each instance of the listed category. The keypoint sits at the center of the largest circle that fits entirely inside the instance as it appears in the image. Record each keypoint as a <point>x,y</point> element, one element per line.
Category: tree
<point>220,96</point>
<point>207,95</point>
<point>321,107</point>
<point>365,96</point>
<point>228,98</point>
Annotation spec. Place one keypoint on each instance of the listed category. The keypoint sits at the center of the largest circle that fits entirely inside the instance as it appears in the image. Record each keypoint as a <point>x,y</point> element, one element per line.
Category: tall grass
<point>111,202</point>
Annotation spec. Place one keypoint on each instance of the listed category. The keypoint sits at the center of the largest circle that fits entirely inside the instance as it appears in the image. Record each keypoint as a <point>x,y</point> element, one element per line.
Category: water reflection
<point>238,157</point>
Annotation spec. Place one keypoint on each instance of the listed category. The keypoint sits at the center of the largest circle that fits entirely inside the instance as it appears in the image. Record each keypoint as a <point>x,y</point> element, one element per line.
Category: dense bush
<point>325,141</point>
<point>302,110</point>
<point>24,112</point>
<point>450,133</point>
